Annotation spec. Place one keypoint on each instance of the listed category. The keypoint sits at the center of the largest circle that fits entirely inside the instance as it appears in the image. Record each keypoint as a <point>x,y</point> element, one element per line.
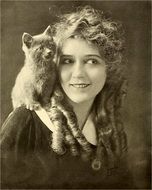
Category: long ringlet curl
<point>107,119</point>
<point>61,135</point>
<point>57,135</point>
<point>108,35</point>
<point>65,121</point>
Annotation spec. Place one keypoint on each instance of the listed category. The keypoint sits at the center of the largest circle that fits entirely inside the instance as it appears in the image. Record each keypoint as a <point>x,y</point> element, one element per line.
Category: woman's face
<point>82,70</point>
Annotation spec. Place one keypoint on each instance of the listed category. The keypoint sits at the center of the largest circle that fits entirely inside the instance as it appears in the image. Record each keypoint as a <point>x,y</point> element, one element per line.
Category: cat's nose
<point>49,53</point>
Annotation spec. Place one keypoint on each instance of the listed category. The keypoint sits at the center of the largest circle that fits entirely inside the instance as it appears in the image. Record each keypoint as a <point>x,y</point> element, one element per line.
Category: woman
<point>78,140</point>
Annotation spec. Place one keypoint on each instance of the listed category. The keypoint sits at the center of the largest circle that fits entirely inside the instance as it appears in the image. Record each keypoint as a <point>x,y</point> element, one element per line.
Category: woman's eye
<point>92,61</point>
<point>66,61</point>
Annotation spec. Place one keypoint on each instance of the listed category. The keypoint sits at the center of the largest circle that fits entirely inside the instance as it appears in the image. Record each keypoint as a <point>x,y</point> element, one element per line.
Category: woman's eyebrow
<point>88,55</point>
<point>93,55</point>
<point>62,56</point>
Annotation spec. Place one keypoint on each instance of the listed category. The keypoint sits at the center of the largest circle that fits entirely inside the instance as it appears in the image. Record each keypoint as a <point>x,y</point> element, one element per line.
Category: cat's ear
<point>27,39</point>
<point>48,31</point>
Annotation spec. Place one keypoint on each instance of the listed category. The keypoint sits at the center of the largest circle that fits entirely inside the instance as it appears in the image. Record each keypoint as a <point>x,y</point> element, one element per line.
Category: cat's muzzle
<point>49,55</point>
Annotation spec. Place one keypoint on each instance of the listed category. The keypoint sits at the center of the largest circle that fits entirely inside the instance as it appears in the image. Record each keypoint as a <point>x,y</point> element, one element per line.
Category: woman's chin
<point>79,99</point>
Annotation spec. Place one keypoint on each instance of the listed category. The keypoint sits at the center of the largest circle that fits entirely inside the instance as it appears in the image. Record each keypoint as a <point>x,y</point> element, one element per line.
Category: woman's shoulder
<point>17,127</point>
<point>21,112</point>
<point>23,126</point>
<point>19,116</point>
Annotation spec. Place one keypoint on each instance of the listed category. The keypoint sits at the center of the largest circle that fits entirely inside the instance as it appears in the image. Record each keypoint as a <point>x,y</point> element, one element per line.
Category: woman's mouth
<point>80,85</point>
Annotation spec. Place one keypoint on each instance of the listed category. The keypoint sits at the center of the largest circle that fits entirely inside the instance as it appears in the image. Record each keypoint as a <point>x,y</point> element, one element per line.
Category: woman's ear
<point>27,39</point>
<point>48,31</point>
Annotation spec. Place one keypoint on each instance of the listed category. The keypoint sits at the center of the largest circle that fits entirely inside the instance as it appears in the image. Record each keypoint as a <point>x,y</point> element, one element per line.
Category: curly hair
<point>108,36</point>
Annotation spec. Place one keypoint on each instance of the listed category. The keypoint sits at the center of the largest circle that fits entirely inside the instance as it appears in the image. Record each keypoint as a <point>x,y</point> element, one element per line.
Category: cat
<point>35,82</point>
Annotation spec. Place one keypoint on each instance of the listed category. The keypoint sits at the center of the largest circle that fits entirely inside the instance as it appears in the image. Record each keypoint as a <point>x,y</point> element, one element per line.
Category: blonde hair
<point>107,34</point>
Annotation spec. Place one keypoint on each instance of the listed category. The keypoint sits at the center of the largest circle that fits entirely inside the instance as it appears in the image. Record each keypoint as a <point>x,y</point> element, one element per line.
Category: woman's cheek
<point>64,74</point>
<point>98,74</point>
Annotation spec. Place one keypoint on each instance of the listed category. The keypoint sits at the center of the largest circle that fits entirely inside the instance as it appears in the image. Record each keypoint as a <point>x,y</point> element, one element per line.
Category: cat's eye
<point>51,46</point>
<point>41,47</point>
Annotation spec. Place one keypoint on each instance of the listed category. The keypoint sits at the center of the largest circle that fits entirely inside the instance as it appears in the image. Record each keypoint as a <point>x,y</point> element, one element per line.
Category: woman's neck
<point>82,111</point>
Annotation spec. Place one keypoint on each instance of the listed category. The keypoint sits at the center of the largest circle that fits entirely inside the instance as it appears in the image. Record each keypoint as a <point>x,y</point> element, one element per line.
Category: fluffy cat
<point>35,82</point>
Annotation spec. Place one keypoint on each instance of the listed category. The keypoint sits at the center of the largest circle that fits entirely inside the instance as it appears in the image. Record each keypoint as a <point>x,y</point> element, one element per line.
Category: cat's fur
<point>35,82</point>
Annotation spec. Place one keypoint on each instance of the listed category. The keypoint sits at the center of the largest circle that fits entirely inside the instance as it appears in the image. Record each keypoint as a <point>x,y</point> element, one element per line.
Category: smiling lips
<point>80,85</point>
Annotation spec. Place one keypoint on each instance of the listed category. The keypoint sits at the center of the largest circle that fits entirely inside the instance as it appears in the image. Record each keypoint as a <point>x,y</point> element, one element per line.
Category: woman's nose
<point>78,70</point>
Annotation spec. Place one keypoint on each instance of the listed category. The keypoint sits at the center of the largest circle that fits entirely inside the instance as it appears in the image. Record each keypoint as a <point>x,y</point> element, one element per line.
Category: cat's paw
<point>33,106</point>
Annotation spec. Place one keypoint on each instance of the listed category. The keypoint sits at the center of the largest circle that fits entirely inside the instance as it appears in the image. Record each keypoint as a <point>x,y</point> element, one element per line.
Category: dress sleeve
<point>15,145</point>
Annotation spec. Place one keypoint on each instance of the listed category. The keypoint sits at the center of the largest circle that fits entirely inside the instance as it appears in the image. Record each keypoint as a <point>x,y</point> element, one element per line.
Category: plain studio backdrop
<point>34,16</point>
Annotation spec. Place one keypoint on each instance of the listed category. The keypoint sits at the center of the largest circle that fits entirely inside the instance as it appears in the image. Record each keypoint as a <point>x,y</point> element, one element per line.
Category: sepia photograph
<point>75,94</point>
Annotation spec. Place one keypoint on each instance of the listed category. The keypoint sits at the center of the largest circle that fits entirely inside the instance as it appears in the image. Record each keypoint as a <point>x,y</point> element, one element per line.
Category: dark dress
<point>27,161</point>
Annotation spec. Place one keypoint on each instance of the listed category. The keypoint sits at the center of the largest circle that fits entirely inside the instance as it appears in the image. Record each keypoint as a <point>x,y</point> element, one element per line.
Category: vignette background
<point>33,17</point>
